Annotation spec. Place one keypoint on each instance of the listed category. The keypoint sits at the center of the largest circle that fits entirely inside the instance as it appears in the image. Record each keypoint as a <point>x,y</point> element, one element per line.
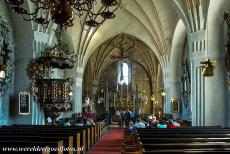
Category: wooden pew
<point>68,136</point>
<point>182,140</point>
<point>29,142</point>
<point>185,151</point>
<point>88,136</point>
<point>131,144</point>
<point>185,140</point>
<point>79,139</point>
<point>59,133</point>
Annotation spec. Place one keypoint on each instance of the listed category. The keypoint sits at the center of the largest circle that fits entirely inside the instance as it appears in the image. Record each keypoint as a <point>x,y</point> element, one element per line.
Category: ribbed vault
<point>133,49</point>
<point>151,21</point>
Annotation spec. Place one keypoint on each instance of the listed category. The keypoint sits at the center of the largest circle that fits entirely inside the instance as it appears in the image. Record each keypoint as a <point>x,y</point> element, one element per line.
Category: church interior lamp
<point>163,93</point>
<point>2,73</point>
<point>207,68</point>
<point>62,12</point>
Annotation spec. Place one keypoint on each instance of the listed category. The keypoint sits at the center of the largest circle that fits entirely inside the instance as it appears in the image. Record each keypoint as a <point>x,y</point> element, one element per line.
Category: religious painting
<point>175,106</point>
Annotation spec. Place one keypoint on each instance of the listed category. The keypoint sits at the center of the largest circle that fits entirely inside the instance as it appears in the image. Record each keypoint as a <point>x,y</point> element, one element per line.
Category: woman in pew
<point>170,124</point>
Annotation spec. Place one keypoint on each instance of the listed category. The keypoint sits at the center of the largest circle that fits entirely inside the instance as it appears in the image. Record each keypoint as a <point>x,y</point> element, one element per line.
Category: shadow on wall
<point>12,107</point>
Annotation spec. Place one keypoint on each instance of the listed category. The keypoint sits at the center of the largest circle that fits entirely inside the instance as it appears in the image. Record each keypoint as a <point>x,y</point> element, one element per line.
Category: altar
<point>124,98</point>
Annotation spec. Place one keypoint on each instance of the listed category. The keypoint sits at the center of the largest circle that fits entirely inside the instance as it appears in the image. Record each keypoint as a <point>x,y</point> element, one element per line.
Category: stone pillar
<point>208,94</point>
<point>94,95</point>
<point>216,103</point>
<point>78,90</point>
<point>166,104</point>
<point>40,41</point>
<point>197,90</point>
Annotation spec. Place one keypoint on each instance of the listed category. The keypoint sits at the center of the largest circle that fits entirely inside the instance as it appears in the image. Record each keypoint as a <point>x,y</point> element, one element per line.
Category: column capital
<point>166,73</point>
<point>198,35</point>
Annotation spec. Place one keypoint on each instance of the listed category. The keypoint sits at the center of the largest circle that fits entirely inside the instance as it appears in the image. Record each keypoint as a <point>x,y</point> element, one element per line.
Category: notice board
<point>24,103</point>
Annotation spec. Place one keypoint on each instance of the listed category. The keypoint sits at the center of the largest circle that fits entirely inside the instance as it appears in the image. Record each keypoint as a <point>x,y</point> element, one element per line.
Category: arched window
<point>123,76</point>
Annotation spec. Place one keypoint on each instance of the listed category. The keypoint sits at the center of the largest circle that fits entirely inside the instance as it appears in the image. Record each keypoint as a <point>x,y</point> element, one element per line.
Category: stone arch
<point>146,49</point>
<point>177,50</point>
<point>117,33</point>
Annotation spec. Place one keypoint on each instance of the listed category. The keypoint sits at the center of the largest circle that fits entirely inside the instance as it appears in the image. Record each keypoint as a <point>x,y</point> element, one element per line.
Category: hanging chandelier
<point>62,12</point>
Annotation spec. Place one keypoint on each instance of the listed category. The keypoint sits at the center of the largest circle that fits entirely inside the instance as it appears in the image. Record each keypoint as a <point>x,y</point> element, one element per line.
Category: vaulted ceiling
<point>150,21</point>
<point>150,24</point>
<point>130,47</point>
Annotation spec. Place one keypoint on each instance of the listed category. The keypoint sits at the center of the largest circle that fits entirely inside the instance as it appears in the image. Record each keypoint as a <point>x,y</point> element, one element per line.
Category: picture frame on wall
<point>175,106</point>
<point>24,103</point>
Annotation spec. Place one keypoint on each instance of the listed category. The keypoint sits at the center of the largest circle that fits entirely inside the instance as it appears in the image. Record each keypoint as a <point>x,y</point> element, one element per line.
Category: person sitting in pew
<point>170,124</point>
<point>90,122</point>
<point>139,123</point>
<point>67,122</point>
<point>79,122</point>
<point>152,123</point>
<point>175,123</point>
<point>161,124</point>
<point>49,121</point>
<point>131,128</point>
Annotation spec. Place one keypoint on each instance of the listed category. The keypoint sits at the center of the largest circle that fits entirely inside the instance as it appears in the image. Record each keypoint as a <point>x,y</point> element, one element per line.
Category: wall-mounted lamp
<point>2,79</point>
<point>2,74</point>
<point>207,68</point>
<point>156,102</point>
<point>71,93</point>
<point>152,98</point>
<point>163,93</point>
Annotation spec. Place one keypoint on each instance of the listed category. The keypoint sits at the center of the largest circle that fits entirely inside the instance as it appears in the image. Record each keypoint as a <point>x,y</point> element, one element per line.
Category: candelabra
<point>62,12</point>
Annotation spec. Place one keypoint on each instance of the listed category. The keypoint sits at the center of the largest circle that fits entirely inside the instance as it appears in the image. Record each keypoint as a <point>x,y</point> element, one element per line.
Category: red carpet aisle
<point>110,143</point>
